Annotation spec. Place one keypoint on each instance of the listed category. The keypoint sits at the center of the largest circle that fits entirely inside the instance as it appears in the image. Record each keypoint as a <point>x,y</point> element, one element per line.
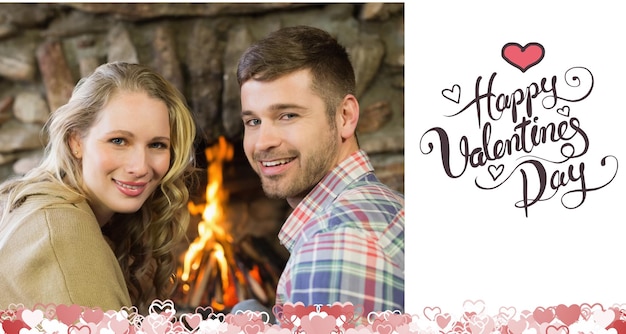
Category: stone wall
<point>45,48</point>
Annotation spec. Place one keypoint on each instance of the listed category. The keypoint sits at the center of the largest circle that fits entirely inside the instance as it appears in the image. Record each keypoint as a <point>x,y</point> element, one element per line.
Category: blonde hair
<point>157,228</point>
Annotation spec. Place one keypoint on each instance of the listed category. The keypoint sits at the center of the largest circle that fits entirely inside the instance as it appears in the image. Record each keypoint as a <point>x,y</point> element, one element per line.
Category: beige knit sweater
<point>57,255</point>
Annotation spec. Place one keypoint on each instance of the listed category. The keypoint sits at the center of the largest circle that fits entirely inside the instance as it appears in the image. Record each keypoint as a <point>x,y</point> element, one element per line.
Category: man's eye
<point>288,116</point>
<point>252,122</point>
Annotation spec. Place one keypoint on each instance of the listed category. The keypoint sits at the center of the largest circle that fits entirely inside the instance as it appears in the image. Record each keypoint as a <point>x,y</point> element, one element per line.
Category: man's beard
<point>313,168</point>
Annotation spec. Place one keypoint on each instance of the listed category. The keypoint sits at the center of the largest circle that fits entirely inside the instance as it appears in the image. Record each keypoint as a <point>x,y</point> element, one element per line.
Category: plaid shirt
<point>346,240</point>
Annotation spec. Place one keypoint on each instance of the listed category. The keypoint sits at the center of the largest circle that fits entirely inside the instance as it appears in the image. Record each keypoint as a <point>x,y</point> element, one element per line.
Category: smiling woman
<point>96,223</point>
<point>124,158</point>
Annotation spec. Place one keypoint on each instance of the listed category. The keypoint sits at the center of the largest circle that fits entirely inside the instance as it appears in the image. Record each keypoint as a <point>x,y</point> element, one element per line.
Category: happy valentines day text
<point>563,142</point>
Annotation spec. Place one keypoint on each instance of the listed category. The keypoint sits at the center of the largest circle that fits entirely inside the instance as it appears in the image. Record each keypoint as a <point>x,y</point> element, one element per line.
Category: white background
<point>464,243</point>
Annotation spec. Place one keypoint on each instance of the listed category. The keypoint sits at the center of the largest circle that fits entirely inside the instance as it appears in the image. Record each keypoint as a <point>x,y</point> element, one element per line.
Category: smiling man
<point>346,232</point>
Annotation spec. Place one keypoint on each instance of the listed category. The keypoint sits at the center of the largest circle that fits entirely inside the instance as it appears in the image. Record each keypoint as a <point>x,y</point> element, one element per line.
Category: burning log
<point>217,270</point>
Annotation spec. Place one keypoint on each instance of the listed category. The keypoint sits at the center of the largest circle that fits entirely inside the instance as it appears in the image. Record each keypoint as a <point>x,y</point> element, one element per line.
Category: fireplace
<point>196,47</point>
<point>232,252</point>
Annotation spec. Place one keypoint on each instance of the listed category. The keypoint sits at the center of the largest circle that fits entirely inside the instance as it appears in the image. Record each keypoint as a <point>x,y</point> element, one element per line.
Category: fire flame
<point>212,236</point>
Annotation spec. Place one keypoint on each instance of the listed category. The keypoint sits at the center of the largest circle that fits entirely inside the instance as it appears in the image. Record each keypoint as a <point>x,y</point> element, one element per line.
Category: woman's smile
<point>131,188</point>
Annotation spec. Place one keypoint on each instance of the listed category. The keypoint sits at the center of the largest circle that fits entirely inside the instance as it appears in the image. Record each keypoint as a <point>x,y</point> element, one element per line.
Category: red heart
<point>13,326</point>
<point>336,310</point>
<point>346,310</point>
<point>619,325</point>
<point>523,57</point>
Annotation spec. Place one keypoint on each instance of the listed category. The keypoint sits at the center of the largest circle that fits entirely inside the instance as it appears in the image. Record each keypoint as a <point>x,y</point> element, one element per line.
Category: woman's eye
<point>117,141</point>
<point>159,145</point>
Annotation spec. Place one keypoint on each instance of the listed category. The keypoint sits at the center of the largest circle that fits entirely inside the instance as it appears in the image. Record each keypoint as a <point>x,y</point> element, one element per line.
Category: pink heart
<point>431,312</point>
<point>318,324</point>
<point>49,310</point>
<point>523,57</point>
<point>68,314</point>
<point>178,327</point>
<point>542,315</point>
<point>568,314</point>
<point>476,307</point>
<point>238,319</point>
<point>383,328</point>
<point>460,326</point>
<point>205,312</point>
<point>156,324</point>
<point>481,324</point>
<point>517,326</point>
<point>252,329</point>
<point>93,315</point>
<point>32,318</point>
<point>508,312</point>
<point>275,329</point>
<point>164,308</point>
<point>395,319</point>
<point>79,330</point>
<point>193,320</point>
<point>585,311</point>
<point>443,320</point>
<point>604,318</point>
<point>557,330</point>
<point>119,325</point>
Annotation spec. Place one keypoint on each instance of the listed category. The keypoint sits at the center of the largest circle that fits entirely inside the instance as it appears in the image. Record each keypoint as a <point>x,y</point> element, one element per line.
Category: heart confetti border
<point>316,319</point>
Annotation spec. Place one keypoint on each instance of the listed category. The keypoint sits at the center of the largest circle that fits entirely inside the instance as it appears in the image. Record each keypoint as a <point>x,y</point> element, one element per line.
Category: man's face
<point>288,138</point>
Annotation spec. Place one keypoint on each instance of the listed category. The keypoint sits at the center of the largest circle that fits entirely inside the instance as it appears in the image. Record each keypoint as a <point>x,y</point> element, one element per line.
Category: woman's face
<point>125,154</point>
